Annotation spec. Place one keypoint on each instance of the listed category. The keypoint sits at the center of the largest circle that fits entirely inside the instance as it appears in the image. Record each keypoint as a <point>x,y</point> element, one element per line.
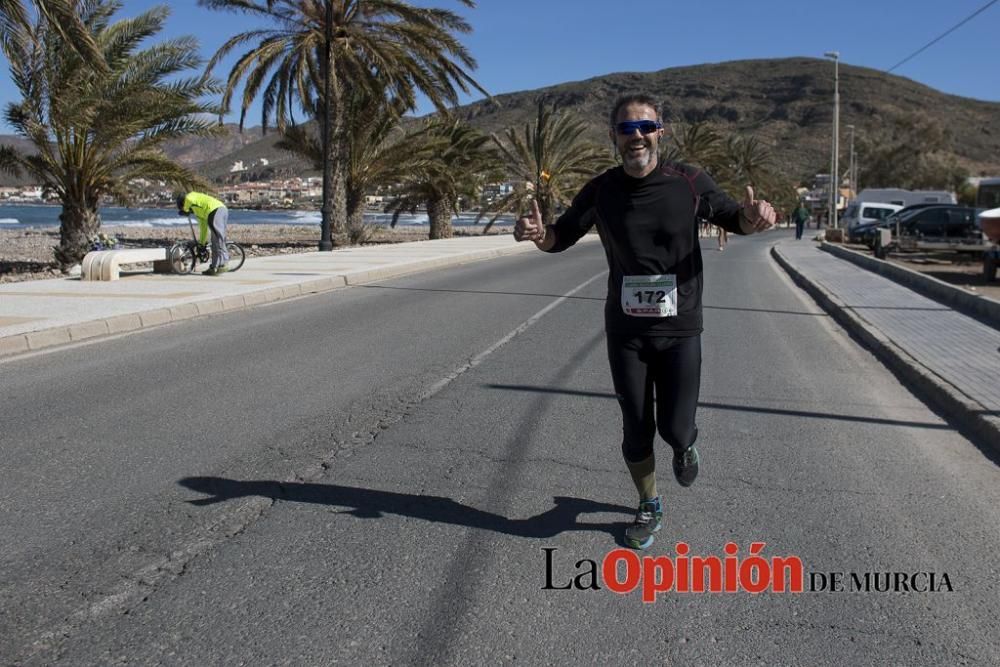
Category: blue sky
<point>527,44</point>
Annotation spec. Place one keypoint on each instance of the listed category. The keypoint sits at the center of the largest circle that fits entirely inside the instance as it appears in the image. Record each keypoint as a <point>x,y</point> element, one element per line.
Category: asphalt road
<point>393,474</point>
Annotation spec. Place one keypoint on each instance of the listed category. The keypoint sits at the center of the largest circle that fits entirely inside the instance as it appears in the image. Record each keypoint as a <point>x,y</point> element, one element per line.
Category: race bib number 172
<point>649,296</point>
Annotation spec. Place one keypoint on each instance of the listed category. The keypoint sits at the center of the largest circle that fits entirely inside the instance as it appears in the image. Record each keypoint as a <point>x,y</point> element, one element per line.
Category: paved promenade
<point>44,313</point>
<point>951,359</point>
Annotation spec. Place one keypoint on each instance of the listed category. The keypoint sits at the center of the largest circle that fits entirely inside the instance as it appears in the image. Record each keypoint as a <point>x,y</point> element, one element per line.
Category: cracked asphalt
<point>347,478</point>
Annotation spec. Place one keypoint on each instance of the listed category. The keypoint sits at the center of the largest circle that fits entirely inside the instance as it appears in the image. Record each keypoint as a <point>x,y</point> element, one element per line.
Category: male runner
<point>647,213</point>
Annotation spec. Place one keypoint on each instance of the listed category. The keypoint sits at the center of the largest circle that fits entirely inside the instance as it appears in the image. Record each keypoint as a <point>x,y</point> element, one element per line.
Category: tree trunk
<point>338,153</point>
<point>355,206</point>
<point>337,156</point>
<point>439,212</point>
<point>78,224</point>
<point>336,143</point>
<point>545,205</point>
<point>357,230</point>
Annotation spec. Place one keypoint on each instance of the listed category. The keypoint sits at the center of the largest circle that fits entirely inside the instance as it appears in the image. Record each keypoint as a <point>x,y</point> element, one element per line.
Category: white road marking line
<point>524,326</point>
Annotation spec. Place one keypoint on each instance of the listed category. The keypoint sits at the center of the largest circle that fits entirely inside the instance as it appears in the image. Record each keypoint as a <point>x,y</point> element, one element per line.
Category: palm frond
<point>550,158</point>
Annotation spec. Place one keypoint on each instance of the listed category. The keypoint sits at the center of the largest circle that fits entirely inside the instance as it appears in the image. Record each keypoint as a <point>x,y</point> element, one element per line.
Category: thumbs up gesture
<point>758,215</point>
<point>529,227</point>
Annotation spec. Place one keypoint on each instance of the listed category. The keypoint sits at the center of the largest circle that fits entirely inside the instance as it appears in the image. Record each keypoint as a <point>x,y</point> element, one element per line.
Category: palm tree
<point>458,156</point>
<point>751,163</point>
<point>96,129</point>
<point>550,160</point>
<point>749,160</point>
<point>381,154</point>
<point>734,161</point>
<point>387,48</point>
<point>698,144</point>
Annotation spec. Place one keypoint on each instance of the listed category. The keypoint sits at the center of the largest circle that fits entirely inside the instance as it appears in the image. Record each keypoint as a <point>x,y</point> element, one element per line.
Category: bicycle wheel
<point>182,259</point>
<point>237,255</point>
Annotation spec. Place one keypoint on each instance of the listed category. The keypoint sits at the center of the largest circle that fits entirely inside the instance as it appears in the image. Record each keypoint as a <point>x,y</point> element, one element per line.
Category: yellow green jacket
<point>201,205</point>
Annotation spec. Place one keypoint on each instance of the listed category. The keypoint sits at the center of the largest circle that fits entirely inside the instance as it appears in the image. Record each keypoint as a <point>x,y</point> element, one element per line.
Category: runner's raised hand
<point>758,214</point>
<point>529,227</point>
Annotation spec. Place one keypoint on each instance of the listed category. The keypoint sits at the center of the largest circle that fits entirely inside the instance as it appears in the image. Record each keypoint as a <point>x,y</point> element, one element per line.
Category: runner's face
<point>639,151</point>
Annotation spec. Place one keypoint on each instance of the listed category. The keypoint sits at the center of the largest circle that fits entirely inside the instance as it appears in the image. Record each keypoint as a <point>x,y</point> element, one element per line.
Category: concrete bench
<point>106,264</point>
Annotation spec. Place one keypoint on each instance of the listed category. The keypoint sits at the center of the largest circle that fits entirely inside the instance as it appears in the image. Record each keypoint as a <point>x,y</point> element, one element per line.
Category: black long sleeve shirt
<point>649,226</point>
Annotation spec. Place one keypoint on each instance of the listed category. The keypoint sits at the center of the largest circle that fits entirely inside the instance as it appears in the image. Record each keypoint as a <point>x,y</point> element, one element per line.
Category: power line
<point>942,36</point>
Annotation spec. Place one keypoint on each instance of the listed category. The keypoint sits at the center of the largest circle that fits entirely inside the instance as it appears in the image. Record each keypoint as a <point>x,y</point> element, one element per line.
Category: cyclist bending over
<point>212,215</point>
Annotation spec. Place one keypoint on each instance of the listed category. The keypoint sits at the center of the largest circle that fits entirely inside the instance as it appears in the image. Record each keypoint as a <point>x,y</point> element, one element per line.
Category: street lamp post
<point>325,238</point>
<point>834,165</point>
<point>851,171</point>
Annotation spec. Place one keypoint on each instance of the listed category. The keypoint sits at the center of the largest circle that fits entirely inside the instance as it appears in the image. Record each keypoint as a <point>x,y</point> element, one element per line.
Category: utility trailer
<point>990,223</point>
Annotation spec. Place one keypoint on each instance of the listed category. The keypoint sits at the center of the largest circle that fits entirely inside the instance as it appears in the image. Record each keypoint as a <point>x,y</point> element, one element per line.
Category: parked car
<point>942,222</point>
<point>906,211</point>
<point>867,232</point>
<point>860,212</point>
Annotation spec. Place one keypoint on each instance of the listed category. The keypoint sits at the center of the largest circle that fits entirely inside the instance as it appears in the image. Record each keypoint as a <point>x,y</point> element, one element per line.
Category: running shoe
<point>211,271</point>
<point>647,521</point>
<point>686,466</point>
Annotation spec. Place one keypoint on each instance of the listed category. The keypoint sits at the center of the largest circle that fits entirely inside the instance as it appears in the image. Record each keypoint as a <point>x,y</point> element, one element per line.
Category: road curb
<point>101,328</point>
<point>983,308</point>
<point>947,398</point>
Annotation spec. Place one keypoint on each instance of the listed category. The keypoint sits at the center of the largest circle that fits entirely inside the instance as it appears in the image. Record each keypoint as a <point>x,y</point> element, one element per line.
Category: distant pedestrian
<point>800,216</point>
<point>212,215</point>
<point>723,238</point>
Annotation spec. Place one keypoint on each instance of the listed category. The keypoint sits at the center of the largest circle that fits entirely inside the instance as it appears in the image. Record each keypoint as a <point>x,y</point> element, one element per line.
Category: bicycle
<point>185,255</point>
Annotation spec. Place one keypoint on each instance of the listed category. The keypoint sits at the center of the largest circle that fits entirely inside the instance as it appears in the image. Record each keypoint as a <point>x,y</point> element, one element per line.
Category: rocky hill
<point>215,156</point>
<point>785,102</point>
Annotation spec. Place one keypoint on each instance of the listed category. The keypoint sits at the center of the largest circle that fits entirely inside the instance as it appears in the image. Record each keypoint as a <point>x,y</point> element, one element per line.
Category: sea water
<point>22,216</point>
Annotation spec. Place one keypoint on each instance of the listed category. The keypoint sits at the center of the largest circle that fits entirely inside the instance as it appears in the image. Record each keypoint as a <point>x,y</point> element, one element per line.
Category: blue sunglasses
<point>644,126</point>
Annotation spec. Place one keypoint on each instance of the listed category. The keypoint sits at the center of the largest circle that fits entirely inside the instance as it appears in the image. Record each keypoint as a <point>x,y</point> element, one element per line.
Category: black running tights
<point>668,367</point>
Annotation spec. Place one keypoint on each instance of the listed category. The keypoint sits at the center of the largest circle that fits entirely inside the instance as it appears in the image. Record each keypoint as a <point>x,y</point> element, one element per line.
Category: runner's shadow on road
<point>372,504</point>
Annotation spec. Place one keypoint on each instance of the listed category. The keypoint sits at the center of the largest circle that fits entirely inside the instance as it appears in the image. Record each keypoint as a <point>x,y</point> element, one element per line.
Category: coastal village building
<point>495,191</point>
<point>238,165</point>
<point>27,193</point>
<point>272,193</point>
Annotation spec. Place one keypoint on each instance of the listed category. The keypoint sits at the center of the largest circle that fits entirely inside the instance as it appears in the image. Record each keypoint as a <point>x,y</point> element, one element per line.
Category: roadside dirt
<point>961,270</point>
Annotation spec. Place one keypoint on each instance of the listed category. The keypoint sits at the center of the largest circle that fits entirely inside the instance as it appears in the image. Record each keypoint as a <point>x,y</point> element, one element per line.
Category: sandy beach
<point>26,254</point>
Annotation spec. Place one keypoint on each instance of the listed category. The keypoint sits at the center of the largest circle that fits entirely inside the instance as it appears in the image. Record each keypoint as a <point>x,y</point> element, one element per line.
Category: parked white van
<point>860,212</point>
<point>903,197</point>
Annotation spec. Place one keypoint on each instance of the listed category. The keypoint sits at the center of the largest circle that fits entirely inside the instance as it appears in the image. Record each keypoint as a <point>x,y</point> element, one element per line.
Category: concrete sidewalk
<point>44,313</point>
<point>951,359</point>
